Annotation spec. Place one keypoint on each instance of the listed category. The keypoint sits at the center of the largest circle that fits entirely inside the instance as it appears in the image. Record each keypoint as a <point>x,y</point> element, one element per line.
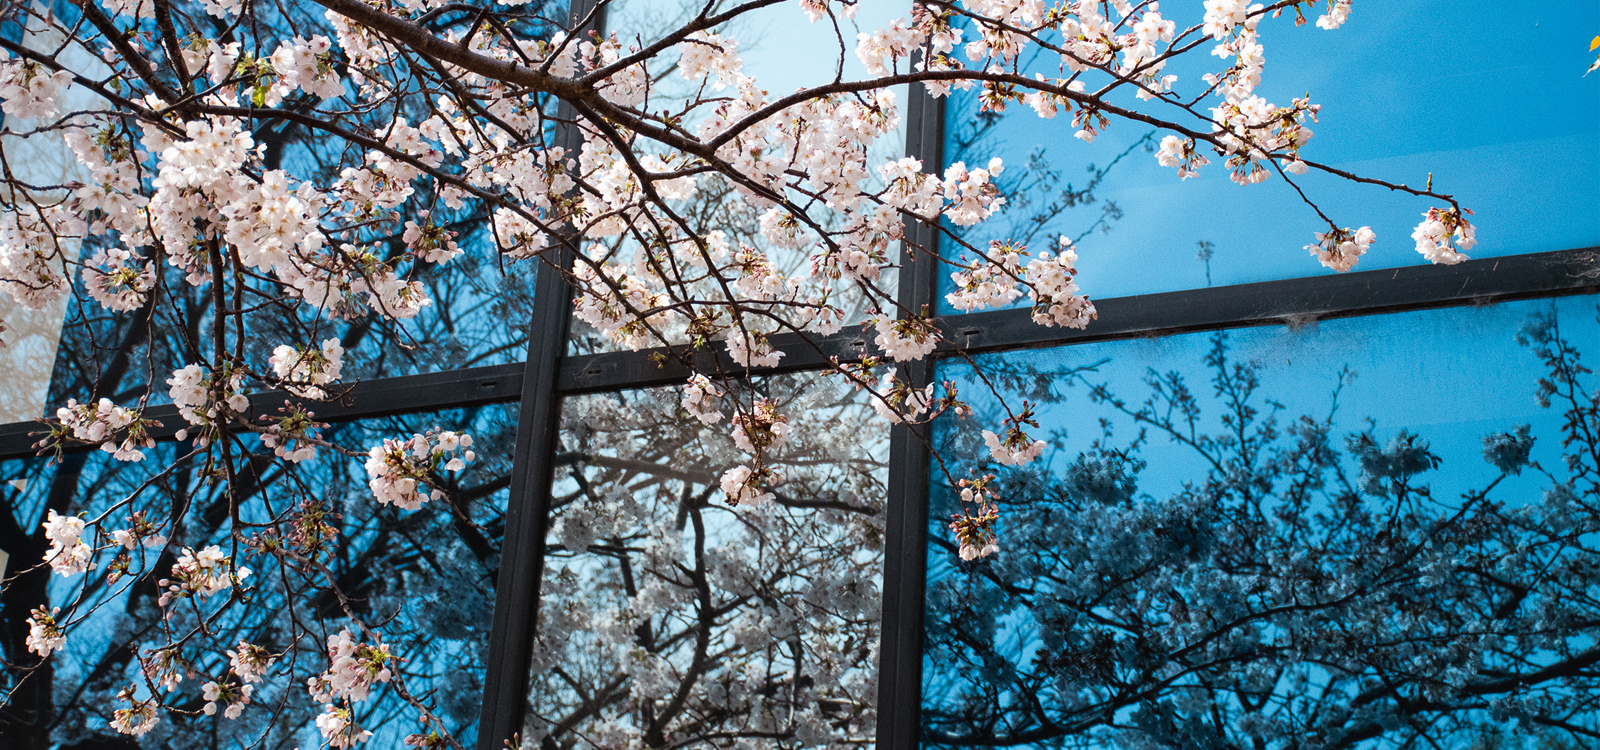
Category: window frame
<point>548,374</point>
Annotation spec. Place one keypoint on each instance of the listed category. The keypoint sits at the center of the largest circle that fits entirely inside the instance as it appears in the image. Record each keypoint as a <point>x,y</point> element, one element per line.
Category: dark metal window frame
<point>548,375</point>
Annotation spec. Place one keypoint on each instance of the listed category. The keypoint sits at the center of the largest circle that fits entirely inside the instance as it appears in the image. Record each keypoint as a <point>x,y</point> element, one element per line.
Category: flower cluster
<point>28,90</point>
<point>200,574</point>
<point>309,65</point>
<point>761,429</point>
<point>896,401</point>
<point>230,695</point>
<point>1338,12</point>
<point>1013,450</point>
<point>910,189</point>
<point>140,531</point>
<point>430,242</point>
<point>292,434</point>
<point>1252,132</point>
<point>1055,295</point>
<point>100,422</point>
<point>1016,448</point>
<point>972,193</point>
<point>617,313</point>
<point>700,399</point>
<point>69,555</point>
<point>974,526</point>
<point>744,485</point>
<point>707,54</point>
<point>165,668</point>
<point>1181,154</point>
<point>628,86</point>
<point>118,280</point>
<point>339,728</point>
<point>516,236</point>
<point>114,200</point>
<point>906,339</point>
<point>303,369</point>
<point>311,529</point>
<point>427,739</point>
<point>207,401</point>
<point>886,44</point>
<point>751,349</point>
<point>992,283</point>
<point>44,632</point>
<point>33,266</point>
<point>139,718</point>
<point>1443,234</point>
<point>249,661</point>
<point>354,668</point>
<point>399,471</point>
<point>1339,249</point>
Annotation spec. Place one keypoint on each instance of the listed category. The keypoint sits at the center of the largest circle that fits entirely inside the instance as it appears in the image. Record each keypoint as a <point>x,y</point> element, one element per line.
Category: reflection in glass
<point>423,580</point>
<point>478,309</point>
<point>1402,88</point>
<point>670,619</point>
<point>770,41</point>
<point>478,316</point>
<point>29,337</point>
<point>1372,533</point>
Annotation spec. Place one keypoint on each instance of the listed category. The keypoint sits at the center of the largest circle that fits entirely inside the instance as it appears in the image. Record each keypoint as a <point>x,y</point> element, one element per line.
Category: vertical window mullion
<point>516,610</point>
<point>906,527</point>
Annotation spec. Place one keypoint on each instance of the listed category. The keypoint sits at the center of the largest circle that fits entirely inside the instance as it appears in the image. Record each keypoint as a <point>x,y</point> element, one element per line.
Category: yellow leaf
<point>1595,43</point>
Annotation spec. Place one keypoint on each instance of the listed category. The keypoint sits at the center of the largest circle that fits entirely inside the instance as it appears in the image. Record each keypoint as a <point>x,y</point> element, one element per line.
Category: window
<point>667,612</point>
<point>1275,506</point>
<point>1277,533</point>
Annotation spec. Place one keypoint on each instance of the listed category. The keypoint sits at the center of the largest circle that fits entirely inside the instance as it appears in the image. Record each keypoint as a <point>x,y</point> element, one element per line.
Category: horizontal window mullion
<point>1287,301</point>
<point>407,394</point>
<point>1291,302</point>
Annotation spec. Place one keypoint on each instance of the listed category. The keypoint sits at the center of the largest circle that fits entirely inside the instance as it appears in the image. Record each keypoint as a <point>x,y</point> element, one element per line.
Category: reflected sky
<point>424,579</point>
<point>670,618</point>
<point>479,311</point>
<point>770,41</point>
<point>1141,528</point>
<point>1407,90</point>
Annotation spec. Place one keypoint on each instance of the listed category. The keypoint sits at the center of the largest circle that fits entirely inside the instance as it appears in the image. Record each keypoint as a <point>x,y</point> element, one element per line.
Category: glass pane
<point>30,336</point>
<point>1373,532</point>
<point>783,51</point>
<point>479,303</point>
<point>669,618</point>
<point>1402,88</point>
<point>479,317</point>
<point>420,581</point>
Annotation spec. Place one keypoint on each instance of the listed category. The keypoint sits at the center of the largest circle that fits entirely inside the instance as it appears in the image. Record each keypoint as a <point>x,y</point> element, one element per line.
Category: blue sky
<point>1493,105</point>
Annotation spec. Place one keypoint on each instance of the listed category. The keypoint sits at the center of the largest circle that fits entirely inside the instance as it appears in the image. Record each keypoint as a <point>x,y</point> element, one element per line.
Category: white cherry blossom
<point>1443,235</point>
<point>44,632</point>
<point>1339,249</point>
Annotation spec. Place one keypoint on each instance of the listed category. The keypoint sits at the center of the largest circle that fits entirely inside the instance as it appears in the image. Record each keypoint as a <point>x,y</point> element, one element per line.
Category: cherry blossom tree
<point>1307,586</point>
<point>669,614</point>
<point>281,196</point>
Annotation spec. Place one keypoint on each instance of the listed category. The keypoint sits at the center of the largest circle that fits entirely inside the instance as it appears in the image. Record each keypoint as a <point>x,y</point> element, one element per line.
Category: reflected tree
<point>422,582</point>
<point>1305,589</point>
<point>669,619</point>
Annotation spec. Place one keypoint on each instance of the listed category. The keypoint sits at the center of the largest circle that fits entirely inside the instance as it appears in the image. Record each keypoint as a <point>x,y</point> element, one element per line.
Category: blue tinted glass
<point>422,580</point>
<point>1407,90</point>
<point>479,316</point>
<point>479,311</point>
<point>1373,531</point>
<point>670,618</point>
<point>783,51</point>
